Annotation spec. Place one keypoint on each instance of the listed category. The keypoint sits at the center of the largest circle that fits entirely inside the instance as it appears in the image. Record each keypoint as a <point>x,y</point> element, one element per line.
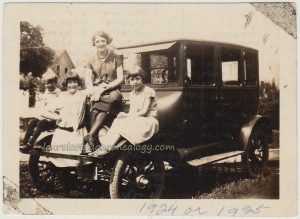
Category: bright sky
<point>71,26</point>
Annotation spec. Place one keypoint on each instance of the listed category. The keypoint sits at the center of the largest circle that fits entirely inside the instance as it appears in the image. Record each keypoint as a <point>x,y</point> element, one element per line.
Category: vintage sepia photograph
<point>150,101</point>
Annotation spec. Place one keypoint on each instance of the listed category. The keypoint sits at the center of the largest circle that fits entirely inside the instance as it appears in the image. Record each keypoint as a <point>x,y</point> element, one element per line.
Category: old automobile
<point>207,94</point>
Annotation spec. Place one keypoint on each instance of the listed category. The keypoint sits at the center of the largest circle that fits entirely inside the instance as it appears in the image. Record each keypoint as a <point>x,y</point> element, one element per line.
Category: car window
<point>160,66</point>
<point>230,64</point>
<point>251,62</point>
<point>200,64</point>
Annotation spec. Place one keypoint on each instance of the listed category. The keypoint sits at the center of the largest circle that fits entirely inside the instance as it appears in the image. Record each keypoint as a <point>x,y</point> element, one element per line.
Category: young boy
<point>37,126</point>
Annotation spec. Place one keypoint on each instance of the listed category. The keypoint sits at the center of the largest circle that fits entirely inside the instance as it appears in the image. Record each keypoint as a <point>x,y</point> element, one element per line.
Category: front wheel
<point>137,176</point>
<point>44,174</point>
<point>256,154</point>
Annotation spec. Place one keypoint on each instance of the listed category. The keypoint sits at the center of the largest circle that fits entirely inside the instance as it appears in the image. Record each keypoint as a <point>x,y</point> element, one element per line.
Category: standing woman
<point>108,77</point>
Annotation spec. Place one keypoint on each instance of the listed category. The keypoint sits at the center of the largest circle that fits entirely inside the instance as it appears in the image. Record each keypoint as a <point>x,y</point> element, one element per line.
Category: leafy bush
<point>269,102</point>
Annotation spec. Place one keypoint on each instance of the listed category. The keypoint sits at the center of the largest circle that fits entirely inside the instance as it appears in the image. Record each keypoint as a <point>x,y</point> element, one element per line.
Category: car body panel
<point>194,116</point>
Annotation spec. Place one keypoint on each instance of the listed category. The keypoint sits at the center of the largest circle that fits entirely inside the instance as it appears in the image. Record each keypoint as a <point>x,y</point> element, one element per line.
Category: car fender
<point>255,121</point>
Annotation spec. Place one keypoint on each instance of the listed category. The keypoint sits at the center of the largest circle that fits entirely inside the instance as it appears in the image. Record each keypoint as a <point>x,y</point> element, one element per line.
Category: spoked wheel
<point>44,174</point>
<point>137,176</point>
<point>256,154</point>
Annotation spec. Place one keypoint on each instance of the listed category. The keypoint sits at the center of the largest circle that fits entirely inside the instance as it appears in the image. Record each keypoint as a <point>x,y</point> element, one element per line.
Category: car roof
<point>185,40</point>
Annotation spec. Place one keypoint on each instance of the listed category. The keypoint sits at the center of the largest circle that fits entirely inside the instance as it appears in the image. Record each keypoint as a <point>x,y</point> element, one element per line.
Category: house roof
<point>60,52</point>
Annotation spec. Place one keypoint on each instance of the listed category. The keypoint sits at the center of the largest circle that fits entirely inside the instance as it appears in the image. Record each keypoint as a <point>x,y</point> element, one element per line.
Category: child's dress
<point>138,129</point>
<point>68,137</point>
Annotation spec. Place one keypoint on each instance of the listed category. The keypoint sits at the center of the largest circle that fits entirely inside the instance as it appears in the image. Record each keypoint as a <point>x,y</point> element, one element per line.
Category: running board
<point>192,151</point>
<point>213,158</point>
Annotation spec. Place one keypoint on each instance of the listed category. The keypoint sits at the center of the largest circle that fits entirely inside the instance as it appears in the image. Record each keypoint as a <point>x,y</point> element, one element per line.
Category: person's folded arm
<point>50,115</point>
<point>49,112</point>
<point>117,82</point>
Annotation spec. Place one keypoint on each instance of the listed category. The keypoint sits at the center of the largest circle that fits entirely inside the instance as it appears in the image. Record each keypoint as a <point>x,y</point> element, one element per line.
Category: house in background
<point>62,64</point>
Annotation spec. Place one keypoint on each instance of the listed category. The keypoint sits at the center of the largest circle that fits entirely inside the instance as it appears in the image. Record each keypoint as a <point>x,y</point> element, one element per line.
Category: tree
<point>35,57</point>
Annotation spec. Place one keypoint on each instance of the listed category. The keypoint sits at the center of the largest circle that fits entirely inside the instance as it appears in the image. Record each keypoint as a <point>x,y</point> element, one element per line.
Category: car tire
<point>45,176</point>
<point>137,176</point>
<point>256,155</point>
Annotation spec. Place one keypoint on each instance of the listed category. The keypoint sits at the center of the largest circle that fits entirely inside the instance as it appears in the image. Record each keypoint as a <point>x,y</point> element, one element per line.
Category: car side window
<point>231,65</point>
<point>200,64</point>
<point>251,62</point>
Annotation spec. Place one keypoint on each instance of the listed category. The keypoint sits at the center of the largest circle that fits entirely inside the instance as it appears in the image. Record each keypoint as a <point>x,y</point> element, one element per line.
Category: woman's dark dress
<point>105,71</point>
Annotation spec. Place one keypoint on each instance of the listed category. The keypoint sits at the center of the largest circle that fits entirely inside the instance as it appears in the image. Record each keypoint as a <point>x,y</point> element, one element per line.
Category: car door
<point>201,90</point>
<point>250,88</point>
<point>230,96</point>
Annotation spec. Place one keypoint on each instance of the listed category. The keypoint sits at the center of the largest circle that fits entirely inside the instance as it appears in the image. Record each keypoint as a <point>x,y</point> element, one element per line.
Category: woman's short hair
<point>71,75</point>
<point>104,35</point>
<point>136,71</point>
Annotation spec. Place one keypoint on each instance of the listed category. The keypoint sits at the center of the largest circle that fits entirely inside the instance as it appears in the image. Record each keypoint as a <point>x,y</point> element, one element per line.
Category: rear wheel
<point>137,176</point>
<point>44,174</point>
<point>256,154</point>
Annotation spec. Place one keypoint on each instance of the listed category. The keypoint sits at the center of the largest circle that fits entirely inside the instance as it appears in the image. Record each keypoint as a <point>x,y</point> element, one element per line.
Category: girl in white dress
<point>68,137</point>
<point>140,123</point>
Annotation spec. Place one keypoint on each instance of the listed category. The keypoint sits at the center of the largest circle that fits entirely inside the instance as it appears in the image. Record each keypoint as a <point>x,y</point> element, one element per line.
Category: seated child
<point>37,126</point>
<point>141,123</point>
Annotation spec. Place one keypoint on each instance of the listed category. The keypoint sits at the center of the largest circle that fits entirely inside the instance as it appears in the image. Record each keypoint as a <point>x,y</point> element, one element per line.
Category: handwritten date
<point>174,209</point>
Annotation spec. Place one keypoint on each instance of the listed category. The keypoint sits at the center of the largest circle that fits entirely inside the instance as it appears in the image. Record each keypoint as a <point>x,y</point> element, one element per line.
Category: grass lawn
<point>264,188</point>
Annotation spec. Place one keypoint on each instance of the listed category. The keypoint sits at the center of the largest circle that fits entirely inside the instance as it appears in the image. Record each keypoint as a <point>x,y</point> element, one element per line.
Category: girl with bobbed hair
<point>140,123</point>
<point>71,75</point>
<point>71,106</point>
<point>136,70</point>
<point>106,67</point>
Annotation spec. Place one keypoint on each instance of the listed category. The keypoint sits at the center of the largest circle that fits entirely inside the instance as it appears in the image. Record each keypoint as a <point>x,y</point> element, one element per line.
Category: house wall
<point>64,66</point>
